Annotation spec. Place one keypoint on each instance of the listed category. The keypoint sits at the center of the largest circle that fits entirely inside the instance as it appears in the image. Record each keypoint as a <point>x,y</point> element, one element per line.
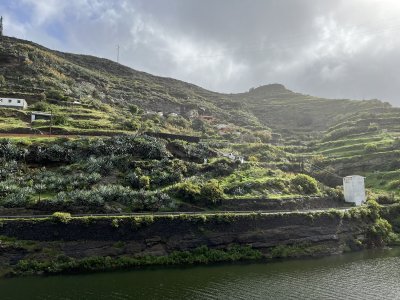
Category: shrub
<point>41,106</point>
<point>370,148</point>
<point>131,124</point>
<point>380,233</point>
<point>386,199</point>
<point>394,184</point>
<point>21,197</point>
<point>144,182</point>
<point>161,178</point>
<point>9,150</point>
<point>253,158</point>
<point>222,167</point>
<point>264,135</point>
<point>133,109</point>
<point>55,94</point>
<point>335,194</point>
<point>61,217</point>
<point>211,192</point>
<point>60,120</point>
<point>187,191</point>
<point>305,183</point>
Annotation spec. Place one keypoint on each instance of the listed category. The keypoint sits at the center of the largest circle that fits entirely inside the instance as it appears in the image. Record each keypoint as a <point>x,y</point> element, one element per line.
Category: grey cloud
<point>338,49</point>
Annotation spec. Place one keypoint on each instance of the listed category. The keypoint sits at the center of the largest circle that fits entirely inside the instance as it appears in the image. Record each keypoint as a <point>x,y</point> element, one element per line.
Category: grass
<point>10,123</point>
<point>381,181</point>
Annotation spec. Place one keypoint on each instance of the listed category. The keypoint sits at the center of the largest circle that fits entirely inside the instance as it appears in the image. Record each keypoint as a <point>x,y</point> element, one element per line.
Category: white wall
<point>354,189</point>
<point>13,102</point>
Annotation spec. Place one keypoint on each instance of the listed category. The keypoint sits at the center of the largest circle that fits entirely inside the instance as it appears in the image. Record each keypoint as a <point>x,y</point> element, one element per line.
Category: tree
<point>305,183</point>
<point>198,125</point>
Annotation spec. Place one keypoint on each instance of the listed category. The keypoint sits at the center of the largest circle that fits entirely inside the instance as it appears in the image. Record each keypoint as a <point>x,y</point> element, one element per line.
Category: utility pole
<point>51,121</point>
<point>1,26</point>
<point>118,53</point>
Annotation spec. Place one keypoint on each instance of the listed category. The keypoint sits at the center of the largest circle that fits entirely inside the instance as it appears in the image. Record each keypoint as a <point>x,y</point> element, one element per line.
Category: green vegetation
<point>201,255</point>
<point>61,217</point>
<point>106,156</point>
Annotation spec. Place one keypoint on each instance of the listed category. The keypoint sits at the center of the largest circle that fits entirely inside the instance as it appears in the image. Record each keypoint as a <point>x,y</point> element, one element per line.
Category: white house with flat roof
<point>13,103</point>
<point>354,189</point>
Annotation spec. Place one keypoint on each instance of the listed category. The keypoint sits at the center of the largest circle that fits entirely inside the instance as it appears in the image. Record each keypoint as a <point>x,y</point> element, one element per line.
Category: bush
<point>394,184</point>
<point>60,120</point>
<point>211,193</point>
<point>41,106</point>
<point>335,194</point>
<point>55,94</point>
<point>222,167</point>
<point>133,109</point>
<point>61,217</point>
<point>370,148</point>
<point>187,191</point>
<point>21,197</point>
<point>304,183</point>
<point>380,233</point>
<point>386,199</point>
<point>264,135</point>
<point>144,182</point>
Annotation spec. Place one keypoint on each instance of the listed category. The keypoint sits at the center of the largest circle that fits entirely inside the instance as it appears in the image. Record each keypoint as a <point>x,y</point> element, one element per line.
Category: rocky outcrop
<point>134,236</point>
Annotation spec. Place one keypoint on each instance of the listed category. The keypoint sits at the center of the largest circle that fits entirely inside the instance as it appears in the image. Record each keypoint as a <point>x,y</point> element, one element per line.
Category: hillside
<point>279,133</point>
<point>179,174</point>
<point>29,70</point>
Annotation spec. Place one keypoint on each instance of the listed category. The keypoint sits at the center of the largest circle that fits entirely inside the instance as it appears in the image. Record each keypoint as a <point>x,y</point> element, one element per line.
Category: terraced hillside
<point>366,144</point>
<point>279,133</point>
<point>36,73</point>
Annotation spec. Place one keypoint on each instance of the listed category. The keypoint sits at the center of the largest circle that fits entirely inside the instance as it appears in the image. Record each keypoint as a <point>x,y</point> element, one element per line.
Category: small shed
<point>40,115</point>
<point>13,103</point>
<point>354,189</point>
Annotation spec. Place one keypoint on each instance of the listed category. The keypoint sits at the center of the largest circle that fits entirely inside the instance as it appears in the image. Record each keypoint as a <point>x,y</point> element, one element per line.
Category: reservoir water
<point>363,275</point>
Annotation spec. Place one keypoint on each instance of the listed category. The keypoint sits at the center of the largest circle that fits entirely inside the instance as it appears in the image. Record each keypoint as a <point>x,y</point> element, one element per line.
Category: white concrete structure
<point>354,189</point>
<point>39,115</point>
<point>13,102</point>
<point>229,155</point>
<point>234,157</point>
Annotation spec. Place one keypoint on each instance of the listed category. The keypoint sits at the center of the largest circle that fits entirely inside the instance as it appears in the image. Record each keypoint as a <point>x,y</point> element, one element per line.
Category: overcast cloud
<point>336,49</point>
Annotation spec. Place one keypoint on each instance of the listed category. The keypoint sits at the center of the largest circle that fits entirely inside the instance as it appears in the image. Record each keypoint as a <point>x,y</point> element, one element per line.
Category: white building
<point>229,155</point>
<point>354,189</point>
<point>13,102</point>
<point>39,115</point>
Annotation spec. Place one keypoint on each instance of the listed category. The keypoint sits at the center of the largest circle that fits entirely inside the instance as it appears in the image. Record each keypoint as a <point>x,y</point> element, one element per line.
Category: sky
<point>334,49</point>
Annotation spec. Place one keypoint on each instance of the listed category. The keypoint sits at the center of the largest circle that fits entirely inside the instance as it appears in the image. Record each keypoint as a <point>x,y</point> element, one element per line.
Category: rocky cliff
<point>327,233</point>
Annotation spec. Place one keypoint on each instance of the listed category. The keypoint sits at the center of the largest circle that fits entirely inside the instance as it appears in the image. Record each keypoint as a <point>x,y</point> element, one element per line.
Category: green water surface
<point>364,275</point>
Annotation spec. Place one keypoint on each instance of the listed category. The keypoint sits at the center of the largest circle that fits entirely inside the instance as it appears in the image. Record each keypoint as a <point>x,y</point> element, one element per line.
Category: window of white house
<point>19,101</point>
<point>9,100</point>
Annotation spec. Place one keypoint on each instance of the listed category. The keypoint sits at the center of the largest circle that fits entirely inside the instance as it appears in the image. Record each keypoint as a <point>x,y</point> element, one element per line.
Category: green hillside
<point>34,72</point>
<point>286,139</point>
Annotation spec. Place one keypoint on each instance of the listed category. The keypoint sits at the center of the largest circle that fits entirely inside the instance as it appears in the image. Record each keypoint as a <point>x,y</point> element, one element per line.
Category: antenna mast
<point>1,26</point>
<point>118,54</point>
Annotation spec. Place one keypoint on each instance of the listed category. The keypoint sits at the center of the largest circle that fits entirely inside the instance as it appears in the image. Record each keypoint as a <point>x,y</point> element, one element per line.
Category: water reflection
<point>366,275</point>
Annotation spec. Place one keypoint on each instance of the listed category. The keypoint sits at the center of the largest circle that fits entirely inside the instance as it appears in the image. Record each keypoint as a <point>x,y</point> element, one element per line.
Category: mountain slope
<point>33,69</point>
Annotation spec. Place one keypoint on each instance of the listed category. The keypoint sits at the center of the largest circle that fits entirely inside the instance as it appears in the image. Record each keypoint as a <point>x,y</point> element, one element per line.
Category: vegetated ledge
<point>82,244</point>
